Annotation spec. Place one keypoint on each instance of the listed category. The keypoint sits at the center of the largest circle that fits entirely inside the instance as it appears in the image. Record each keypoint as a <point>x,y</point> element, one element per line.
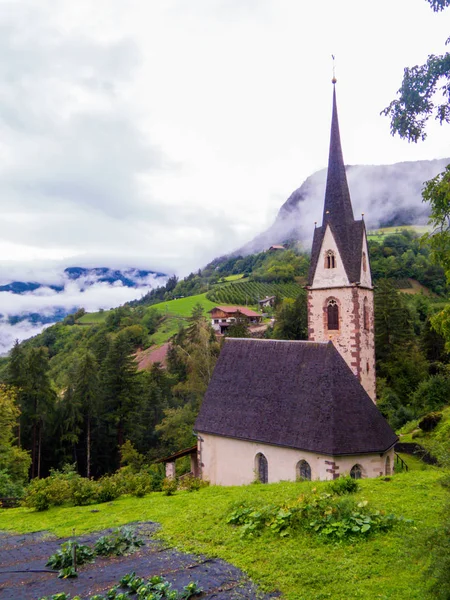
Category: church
<point>285,410</point>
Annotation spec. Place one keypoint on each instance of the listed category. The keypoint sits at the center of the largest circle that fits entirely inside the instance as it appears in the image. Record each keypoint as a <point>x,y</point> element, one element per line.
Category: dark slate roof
<point>338,212</point>
<point>296,394</point>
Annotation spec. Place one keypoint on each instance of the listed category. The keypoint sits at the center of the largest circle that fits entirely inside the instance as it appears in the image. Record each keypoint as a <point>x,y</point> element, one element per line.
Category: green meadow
<point>389,565</point>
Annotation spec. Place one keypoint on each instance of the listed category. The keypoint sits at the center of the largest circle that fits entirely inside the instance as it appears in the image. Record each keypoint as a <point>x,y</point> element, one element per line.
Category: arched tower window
<point>366,314</point>
<point>303,470</point>
<point>332,314</point>
<point>388,465</point>
<point>262,470</point>
<point>356,472</point>
<point>364,262</point>
<point>330,260</point>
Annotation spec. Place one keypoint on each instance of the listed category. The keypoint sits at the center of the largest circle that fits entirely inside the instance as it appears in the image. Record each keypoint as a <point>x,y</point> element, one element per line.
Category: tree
<point>13,460</point>
<point>393,323</point>
<point>409,115</point>
<point>291,319</point>
<point>410,112</point>
<point>239,328</point>
<point>37,398</point>
<point>120,388</point>
<point>86,392</point>
<point>437,193</point>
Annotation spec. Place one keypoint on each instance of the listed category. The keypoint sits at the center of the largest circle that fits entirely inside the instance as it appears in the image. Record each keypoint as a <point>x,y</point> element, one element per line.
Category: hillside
<point>105,349</point>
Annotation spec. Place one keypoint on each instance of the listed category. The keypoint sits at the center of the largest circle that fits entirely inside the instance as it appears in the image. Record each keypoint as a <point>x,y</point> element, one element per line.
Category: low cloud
<point>86,292</point>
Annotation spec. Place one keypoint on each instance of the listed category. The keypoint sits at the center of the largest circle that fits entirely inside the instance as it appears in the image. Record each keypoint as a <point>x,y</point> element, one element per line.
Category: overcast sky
<point>164,133</point>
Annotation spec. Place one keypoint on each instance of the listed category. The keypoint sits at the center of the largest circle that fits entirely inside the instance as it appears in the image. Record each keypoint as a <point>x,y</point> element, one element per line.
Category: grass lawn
<point>388,566</point>
<point>233,277</point>
<point>93,318</point>
<point>176,313</point>
<point>379,234</point>
<point>182,307</point>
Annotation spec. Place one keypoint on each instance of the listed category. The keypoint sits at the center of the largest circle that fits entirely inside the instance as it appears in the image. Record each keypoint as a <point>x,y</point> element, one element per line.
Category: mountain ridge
<point>387,195</point>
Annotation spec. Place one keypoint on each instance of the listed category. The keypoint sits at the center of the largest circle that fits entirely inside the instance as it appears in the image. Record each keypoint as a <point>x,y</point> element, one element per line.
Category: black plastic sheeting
<point>24,576</point>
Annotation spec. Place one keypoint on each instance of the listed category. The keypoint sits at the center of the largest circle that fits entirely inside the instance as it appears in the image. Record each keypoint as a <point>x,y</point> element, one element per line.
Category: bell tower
<point>340,291</point>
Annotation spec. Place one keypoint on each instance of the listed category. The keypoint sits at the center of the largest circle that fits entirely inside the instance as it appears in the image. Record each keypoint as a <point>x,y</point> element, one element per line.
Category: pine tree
<point>86,395</point>
<point>120,388</point>
<point>37,400</point>
<point>393,322</point>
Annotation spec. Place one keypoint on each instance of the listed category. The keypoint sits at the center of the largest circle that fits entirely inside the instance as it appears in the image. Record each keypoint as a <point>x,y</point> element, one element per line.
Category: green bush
<point>108,488</point>
<point>54,490</point>
<point>8,487</point>
<point>84,492</point>
<point>190,483</point>
<point>343,485</point>
<point>169,486</point>
<point>68,486</point>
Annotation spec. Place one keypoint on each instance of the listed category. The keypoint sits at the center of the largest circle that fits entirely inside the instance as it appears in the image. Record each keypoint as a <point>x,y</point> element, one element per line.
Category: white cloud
<point>162,134</point>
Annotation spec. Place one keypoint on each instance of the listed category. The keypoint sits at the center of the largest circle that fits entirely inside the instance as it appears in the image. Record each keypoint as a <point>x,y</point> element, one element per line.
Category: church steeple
<point>340,292</point>
<point>337,211</point>
<point>337,207</point>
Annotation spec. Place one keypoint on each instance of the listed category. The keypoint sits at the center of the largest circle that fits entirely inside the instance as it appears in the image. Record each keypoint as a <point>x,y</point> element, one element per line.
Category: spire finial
<point>333,81</point>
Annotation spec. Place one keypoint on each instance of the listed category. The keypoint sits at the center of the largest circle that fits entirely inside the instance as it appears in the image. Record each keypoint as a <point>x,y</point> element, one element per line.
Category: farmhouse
<point>267,301</point>
<point>280,410</point>
<point>224,316</point>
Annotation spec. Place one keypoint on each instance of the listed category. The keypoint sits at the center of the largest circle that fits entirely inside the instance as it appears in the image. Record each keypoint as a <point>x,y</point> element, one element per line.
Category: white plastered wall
<point>227,461</point>
<point>324,277</point>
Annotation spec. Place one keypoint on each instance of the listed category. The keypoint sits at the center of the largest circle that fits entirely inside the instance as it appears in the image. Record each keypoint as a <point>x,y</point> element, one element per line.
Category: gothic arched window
<point>366,314</point>
<point>303,470</point>
<point>262,470</point>
<point>332,314</point>
<point>356,472</point>
<point>330,260</point>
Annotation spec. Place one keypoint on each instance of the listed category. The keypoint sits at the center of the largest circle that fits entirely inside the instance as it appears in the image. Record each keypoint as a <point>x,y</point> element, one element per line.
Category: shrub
<point>108,488</point>
<point>8,487</point>
<point>343,485</point>
<point>84,492</point>
<point>54,490</point>
<point>191,483</point>
<point>169,486</point>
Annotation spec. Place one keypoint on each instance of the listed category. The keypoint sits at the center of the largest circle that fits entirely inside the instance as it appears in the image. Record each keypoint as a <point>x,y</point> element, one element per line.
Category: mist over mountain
<point>27,306</point>
<point>386,194</point>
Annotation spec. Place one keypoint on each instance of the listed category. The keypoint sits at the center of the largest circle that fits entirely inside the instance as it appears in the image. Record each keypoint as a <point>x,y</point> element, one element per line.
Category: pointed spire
<point>338,207</point>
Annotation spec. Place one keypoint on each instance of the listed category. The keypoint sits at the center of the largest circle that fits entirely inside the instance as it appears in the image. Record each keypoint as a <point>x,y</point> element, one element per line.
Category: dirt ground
<point>24,576</point>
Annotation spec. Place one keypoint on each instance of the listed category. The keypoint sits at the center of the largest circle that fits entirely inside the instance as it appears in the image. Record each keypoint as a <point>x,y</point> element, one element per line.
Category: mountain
<point>387,195</point>
<point>26,306</point>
